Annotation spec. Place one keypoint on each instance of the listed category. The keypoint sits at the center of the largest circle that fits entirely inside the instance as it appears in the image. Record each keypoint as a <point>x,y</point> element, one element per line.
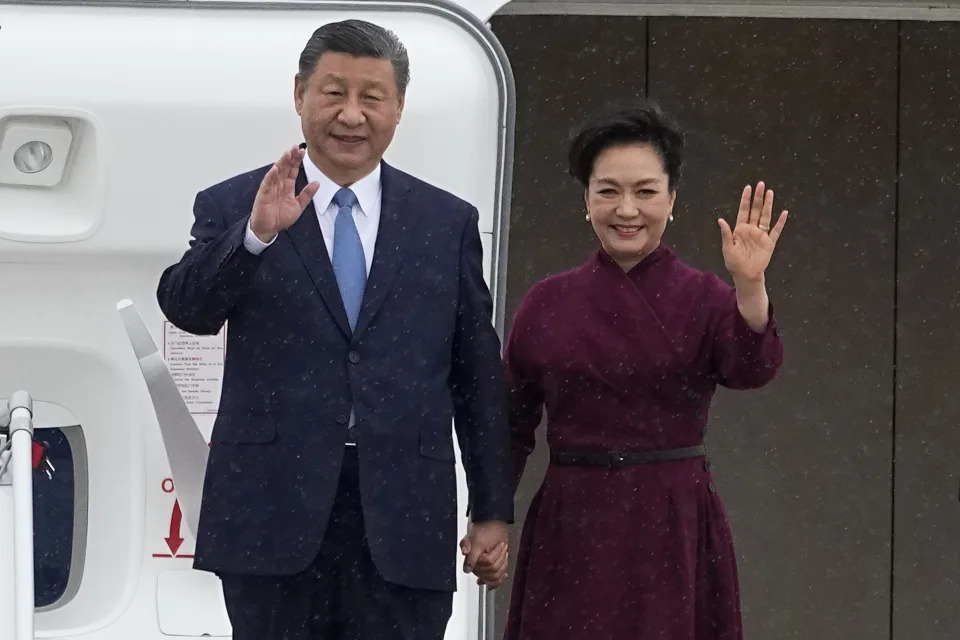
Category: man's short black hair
<point>357,38</point>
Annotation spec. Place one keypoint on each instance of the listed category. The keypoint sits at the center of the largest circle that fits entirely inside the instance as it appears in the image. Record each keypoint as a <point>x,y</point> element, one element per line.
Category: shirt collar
<point>367,188</point>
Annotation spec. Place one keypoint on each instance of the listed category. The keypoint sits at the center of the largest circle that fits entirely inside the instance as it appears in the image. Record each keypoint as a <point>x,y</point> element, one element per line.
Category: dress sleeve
<point>742,357</point>
<point>524,384</point>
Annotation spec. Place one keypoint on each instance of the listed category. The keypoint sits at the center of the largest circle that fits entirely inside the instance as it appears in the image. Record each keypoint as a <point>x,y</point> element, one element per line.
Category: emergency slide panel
<point>112,116</point>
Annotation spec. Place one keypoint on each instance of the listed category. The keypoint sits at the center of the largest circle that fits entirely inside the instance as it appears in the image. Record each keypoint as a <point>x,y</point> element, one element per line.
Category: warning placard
<point>196,363</point>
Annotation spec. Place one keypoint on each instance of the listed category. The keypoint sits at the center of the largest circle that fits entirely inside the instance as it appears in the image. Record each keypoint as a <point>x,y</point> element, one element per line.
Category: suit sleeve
<point>524,391</point>
<point>478,390</point>
<point>198,293</point>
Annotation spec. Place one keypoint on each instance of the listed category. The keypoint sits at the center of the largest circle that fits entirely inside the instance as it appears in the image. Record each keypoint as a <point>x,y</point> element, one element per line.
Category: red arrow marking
<point>174,540</point>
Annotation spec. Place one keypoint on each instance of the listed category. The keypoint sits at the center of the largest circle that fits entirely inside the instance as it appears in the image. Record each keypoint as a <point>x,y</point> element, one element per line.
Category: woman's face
<point>629,201</point>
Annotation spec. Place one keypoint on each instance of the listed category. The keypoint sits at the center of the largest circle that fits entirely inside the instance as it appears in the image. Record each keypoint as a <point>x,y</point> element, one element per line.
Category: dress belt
<point>614,459</point>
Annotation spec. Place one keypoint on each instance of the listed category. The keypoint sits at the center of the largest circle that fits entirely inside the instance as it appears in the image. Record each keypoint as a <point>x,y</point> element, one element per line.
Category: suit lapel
<point>307,240</point>
<point>397,222</point>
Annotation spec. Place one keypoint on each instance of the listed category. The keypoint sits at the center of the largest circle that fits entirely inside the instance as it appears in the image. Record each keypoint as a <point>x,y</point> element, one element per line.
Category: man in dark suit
<point>359,331</point>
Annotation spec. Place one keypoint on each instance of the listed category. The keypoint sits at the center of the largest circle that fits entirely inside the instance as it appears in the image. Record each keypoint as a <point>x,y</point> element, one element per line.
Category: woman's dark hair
<point>639,123</point>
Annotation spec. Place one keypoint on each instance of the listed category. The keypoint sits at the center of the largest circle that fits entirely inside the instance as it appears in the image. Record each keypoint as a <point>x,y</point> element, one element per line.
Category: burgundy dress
<point>628,362</point>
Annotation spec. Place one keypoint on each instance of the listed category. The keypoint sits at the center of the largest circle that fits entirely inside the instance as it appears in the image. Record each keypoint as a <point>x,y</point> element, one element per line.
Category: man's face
<point>349,110</point>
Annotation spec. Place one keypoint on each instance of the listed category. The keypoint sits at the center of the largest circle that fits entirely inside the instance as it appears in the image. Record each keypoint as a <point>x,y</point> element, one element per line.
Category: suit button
<point>342,418</point>
<point>711,488</point>
<point>354,357</point>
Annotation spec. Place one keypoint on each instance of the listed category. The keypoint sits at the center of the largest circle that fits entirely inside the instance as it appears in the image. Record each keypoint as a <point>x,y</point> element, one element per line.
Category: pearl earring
<point>588,217</point>
<point>671,217</point>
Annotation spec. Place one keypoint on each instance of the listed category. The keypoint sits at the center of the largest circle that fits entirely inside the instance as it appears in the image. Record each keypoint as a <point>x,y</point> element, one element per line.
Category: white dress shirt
<point>366,215</point>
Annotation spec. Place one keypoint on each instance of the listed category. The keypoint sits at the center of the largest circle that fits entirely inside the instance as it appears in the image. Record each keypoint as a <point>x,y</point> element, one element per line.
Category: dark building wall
<point>840,477</point>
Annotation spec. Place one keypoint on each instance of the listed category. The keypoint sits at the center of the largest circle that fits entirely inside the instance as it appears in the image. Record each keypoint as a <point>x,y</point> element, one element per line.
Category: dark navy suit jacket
<point>424,355</point>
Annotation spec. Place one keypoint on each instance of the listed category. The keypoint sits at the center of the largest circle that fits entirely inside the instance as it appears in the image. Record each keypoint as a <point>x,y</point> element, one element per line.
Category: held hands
<point>486,549</point>
<point>748,248</point>
<point>276,206</point>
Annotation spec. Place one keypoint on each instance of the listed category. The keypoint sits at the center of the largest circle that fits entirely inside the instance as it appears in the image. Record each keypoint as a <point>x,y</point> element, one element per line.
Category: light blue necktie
<point>349,264</point>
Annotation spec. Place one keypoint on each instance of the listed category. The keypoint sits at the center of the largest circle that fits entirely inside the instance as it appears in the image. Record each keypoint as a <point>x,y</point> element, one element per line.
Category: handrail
<point>16,432</point>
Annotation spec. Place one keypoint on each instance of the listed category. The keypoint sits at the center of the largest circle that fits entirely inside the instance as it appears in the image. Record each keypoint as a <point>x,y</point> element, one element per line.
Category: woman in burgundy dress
<point>627,538</point>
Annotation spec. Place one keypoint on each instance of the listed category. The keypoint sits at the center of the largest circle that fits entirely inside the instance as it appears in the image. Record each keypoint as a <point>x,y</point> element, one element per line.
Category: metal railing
<point>16,486</point>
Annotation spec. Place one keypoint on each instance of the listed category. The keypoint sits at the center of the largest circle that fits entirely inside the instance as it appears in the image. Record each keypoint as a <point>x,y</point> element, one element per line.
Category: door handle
<point>187,450</point>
